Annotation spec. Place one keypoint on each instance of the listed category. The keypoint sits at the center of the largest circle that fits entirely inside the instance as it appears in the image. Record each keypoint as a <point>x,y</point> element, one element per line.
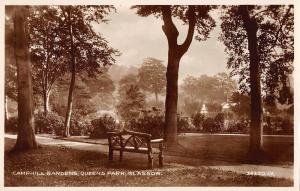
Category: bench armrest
<point>157,140</point>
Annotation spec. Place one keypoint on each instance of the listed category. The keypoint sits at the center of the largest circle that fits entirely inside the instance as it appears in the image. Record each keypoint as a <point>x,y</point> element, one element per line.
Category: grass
<point>54,158</point>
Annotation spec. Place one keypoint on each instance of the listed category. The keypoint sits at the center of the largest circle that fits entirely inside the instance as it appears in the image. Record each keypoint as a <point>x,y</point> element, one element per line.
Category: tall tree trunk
<point>46,96</point>
<point>72,83</point>
<point>256,130</point>
<point>170,133</point>
<point>26,137</point>
<point>175,52</point>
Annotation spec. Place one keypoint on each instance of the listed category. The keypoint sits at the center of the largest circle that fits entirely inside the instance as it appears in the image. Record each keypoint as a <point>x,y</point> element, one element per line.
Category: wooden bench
<point>130,141</point>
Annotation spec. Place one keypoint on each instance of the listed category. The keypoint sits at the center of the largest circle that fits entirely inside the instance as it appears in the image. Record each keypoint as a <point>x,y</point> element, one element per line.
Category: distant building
<point>204,110</point>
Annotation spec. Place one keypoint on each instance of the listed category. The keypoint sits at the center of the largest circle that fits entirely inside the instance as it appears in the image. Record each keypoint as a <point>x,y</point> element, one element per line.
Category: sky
<point>140,37</point>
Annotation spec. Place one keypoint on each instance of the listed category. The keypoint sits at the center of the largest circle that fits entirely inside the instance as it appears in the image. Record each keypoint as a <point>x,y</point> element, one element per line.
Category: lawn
<point>279,150</point>
<point>131,172</point>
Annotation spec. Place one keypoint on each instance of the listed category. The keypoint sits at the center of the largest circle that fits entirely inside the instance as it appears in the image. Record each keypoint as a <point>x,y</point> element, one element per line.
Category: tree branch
<point>169,27</point>
<point>280,28</point>
<point>192,22</point>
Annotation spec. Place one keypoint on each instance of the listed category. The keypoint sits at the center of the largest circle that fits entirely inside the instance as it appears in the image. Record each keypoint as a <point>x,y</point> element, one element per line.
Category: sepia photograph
<point>149,95</point>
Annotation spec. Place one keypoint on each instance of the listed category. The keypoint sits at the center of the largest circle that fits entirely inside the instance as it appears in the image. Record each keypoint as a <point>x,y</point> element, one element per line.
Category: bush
<point>80,128</point>
<point>151,123</point>
<point>51,123</point>
<point>280,125</point>
<point>102,125</point>
<point>210,125</point>
<point>219,121</point>
<point>197,120</point>
<point>11,125</point>
<point>237,126</point>
<point>183,124</point>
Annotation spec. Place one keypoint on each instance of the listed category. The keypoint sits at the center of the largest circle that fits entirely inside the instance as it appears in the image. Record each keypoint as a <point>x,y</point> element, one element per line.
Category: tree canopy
<point>275,46</point>
<point>152,76</point>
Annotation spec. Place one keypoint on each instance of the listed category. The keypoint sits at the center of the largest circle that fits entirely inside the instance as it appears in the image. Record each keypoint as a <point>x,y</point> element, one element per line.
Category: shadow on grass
<point>62,159</point>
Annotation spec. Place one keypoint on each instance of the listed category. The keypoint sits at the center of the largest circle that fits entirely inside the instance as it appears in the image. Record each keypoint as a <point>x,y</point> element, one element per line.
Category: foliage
<point>131,105</point>
<point>191,106</point>
<point>152,76</point>
<point>198,119</point>
<point>151,122</point>
<point>209,125</point>
<point>102,125</point>
<point>51,123</point>
<point>219,121</point>
<point>183,124</point>
<point>47,50</point>
<point>204,23</point>
<point>92,51</point>
<point>242,104</point>
<point>279,125</point>
<point>126,83</point>
<point>240,126</point>
<point>275,46</point>
<point>208,88</point>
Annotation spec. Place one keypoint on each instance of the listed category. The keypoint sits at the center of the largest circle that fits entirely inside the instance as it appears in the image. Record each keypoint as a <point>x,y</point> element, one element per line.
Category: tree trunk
<point>46,96</point>
<point>72,83</point>
<point>170,133</point>
<point>256,130</point>
<point>26,137</point>
<point>175,52</point>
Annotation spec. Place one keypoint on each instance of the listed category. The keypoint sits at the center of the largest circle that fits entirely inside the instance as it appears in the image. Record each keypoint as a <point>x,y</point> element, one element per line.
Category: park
<point>149,95</point>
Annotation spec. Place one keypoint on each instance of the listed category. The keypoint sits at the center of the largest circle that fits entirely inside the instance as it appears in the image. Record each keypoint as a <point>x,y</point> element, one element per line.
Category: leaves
<point>152,76</point>
<point>204,22</point>
<point>275,45</point>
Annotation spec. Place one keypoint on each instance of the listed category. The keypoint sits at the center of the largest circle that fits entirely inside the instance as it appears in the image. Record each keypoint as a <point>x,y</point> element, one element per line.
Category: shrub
<point>209,125</point>
<point>151,123</point>
<point>183,124</point>
<point>11,125</point>
<point>237,126</point>
<point>197,120</point>
<point>102,125</point>
<point>219,121</point>
<point>80,128</point>
<point>51,123</point>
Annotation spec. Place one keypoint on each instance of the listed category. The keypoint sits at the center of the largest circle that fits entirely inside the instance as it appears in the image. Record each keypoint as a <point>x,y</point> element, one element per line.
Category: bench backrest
<point>128,138</point>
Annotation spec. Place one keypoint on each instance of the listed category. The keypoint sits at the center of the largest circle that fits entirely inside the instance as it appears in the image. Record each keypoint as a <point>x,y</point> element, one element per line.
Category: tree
<point>152,76</point>
<point>126,82</point>
<point>88,51</point>
<point>240,104</point>
<point>47,52</point>
<point>26,137</point>
<point>260,44</point>
<point>197,18</point>
<point>132,103</point>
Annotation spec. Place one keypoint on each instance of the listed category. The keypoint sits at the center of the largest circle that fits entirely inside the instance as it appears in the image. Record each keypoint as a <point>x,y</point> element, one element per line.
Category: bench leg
<point>161,159</point>
<point>150,160</point>
<point>110,154</point>
<point>160,155</point>
<point>121,156</point>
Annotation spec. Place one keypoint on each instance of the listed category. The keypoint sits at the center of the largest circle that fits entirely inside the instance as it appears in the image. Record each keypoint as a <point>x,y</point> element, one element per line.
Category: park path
<point>275,171</point>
